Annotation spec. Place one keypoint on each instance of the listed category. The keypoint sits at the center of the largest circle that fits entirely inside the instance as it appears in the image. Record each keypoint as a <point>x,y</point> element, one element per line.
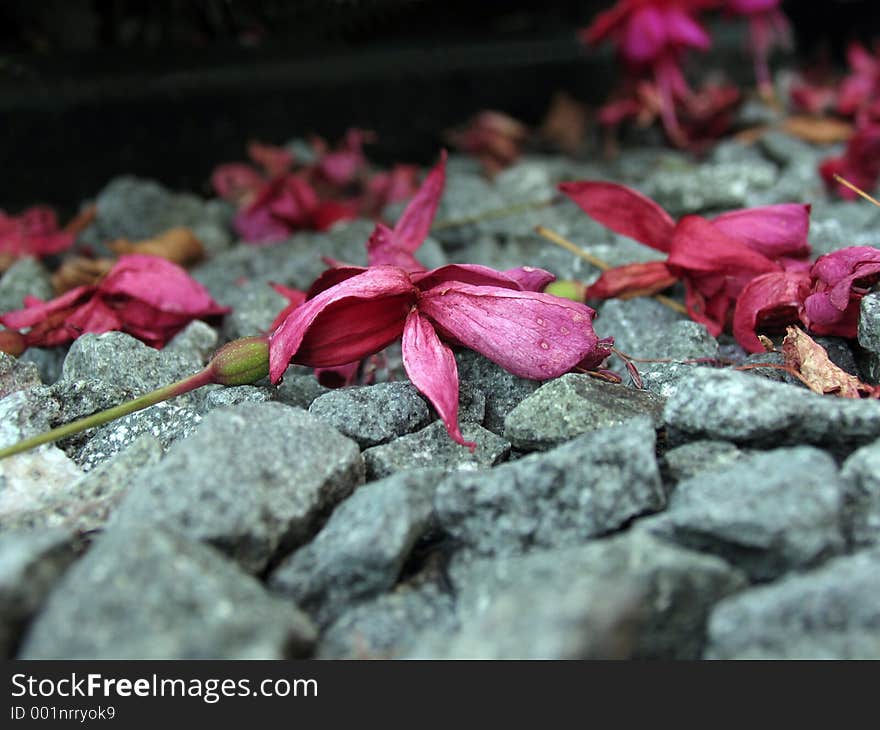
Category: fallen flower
<point>860,162</point>
<point>33,232</point>
<point>146,296</point>
<point>768,26</point>
<point>493,137</point>
<point>769,301</point>
<point>860,90</point>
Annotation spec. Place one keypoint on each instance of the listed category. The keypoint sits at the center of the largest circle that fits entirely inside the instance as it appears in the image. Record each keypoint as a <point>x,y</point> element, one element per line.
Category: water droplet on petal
<point>564,330</point>
<point>544,345</point>
<point>540,322</point>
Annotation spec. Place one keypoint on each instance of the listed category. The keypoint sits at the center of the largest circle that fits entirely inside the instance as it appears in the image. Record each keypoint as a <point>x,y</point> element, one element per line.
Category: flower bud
<point>567,289</point>
<point>240,362</point>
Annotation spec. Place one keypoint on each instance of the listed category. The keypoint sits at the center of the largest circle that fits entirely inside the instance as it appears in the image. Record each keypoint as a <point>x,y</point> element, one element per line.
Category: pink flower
<point>146,296</point>
<point>840,280</point>
<point>715,258</point>
<point>494,138</point>
<point>391,186</point>
<point>34,232</point>
<point>859,164</point>
<point>769,301</point>
<point>652,35</point>
<point>768,26</point>
<point>533,335</point>
<point>861,89</point>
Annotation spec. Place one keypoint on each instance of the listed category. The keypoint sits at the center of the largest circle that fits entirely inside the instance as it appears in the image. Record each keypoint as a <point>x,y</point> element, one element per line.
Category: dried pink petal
<point>769,301</point>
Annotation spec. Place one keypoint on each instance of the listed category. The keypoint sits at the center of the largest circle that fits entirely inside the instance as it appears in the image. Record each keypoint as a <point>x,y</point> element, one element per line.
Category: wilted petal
<point>274,160</point>
<point>683,30</point>
<point>331,277</point>
<point>632,280</point>
<point>258,225</point>
<point>772,230</point>
<point>623,210</point>
<point>36,311</point>
<point>414,224</point>
<point>768,301</point>
<point>431,367</point>
<point>530,278</point>
<point>533,335</point>
<point>699,246</point>
<point>382,250</point>
<point>474,274</point>
<point>163,285</point>
<point>344,323</point>
<point>234,181</point>
<point>645,35</point>
<point>842,269</point>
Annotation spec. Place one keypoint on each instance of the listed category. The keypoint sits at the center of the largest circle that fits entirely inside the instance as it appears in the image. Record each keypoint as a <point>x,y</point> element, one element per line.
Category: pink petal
<point>235,180</point>
<point>94,317</point>
<point>473,274</point>
<point>382,250</point>
<point>328,213</point>
<point>36,311</point>
<point>841,269</point>
<point>645,35</point>
<point>533,335</point>
<point>258,225</point>
<point>331,277</point>
<point>623,210</point>
<point>414,224</point>
<point>530,278</point>
<point>823,317</point>
<point>772,230</point>
<point>632,280</point>
<point>276,161</point>
<point>431,367</point>
<point>344,323</point>
<point>339,376</point>
<point>683,30</point>
<point>768,301</point>
<point>699,246</point>
<point>161,284</point>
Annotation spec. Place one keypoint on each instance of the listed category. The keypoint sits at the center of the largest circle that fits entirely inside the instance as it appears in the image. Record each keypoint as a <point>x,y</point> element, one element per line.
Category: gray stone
<point>254,307</point>
<point>471,404</point>
<point>299,390</point>
<point>147,593</point>
<point>252,480</point>
<point>688,460</point>
<point>828,613</point>
<point>502,389</point>
<point>134,208</point>
<point>432,447</point>
<point>628,596</point>
<point>767,514</point>
<point>26,277</point>
<point>861,473</point>
<point>385,627</point>
<point>838,224</point>
<point>223,397</point>
<point>16,375</point>
<point>373,414</point>
<point>784,149</point>
<point>196,342</point>
<point>732,406</point>
<point>694,188</point>
<point>30,564</point>
<point>573,405</point>
<point>358,554</point>
<point>869,335</point>
<point>588,487</point>
<point>49,361</point>
<point>84,503</point>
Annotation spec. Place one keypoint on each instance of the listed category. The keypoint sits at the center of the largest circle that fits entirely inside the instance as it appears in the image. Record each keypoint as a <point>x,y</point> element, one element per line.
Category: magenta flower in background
<point>651,37</point>
<point>860,90</point>
<point>33,232</point>
<point>146,296</point>
<point>859,164</point>
<point>768,27</point>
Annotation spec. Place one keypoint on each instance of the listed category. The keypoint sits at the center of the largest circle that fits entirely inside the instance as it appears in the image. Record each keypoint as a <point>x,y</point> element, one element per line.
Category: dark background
<point>167,89</point>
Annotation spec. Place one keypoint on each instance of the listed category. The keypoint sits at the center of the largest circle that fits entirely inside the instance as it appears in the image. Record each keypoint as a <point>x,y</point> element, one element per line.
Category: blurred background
<point>90,89</point>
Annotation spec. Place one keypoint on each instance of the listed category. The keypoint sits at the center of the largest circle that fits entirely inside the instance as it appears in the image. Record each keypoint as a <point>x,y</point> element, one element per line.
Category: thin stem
<point>554,237</point>
<point>506,211</point>
<point>123,409</point>
<point>857,190</point>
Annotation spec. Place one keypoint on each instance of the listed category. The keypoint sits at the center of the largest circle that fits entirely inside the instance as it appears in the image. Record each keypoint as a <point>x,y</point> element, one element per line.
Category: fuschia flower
<point>342,166</point>
<point>146,296</point>
<point>859,164</point>
<point>860,90</point>
<point>714,258</point>
<point>389,186</point>
<point>652,36</point>
<point>33,232</point>
<point>768,26</point>
<point>840,280</point>
<point>769,301</point>
<point>533,335</point>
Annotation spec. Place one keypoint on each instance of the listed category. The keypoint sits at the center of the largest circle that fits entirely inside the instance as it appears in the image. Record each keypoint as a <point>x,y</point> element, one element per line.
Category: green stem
<point>204,377</point>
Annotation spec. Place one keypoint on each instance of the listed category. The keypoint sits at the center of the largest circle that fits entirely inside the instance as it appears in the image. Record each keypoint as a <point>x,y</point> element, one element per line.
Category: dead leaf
<point>822,376</point>
<point>79,271</point>
<point>565,123</point>
<point>818,130</point>
<point>178,245</point>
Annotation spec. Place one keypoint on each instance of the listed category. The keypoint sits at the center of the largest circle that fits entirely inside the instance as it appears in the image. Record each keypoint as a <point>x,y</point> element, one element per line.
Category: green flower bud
<point>240,362</point>
<point>567,289</point>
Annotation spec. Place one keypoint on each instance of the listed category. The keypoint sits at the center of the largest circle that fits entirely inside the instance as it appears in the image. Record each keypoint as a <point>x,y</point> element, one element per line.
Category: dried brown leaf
<point>822,376</point>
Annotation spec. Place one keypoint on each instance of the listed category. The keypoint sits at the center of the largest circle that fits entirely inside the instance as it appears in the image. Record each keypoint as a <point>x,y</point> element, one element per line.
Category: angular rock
<point>223,397</point>
<point>359,552</point>
<point>828,613</point>
<point>299,390</point>
<point>16,375</point>
<point>196,342</point>
<point>861,472</point>
<point>253,479</point>
<point>628,596</point>
<point>49,361</point>
<point>254,307</point>
<point>869,335</point>
<point>727,405</point>
<point>84,503</point>
<point>147,593</point>
<point>374,414</point>
<point>30,564</point>
<point>573,405</point>
<point>767,514</point>
<point>432,447</point>
<point>688,460</point>
<point>26,277</point>
<point>591,486</point>
<point>502,389</point>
